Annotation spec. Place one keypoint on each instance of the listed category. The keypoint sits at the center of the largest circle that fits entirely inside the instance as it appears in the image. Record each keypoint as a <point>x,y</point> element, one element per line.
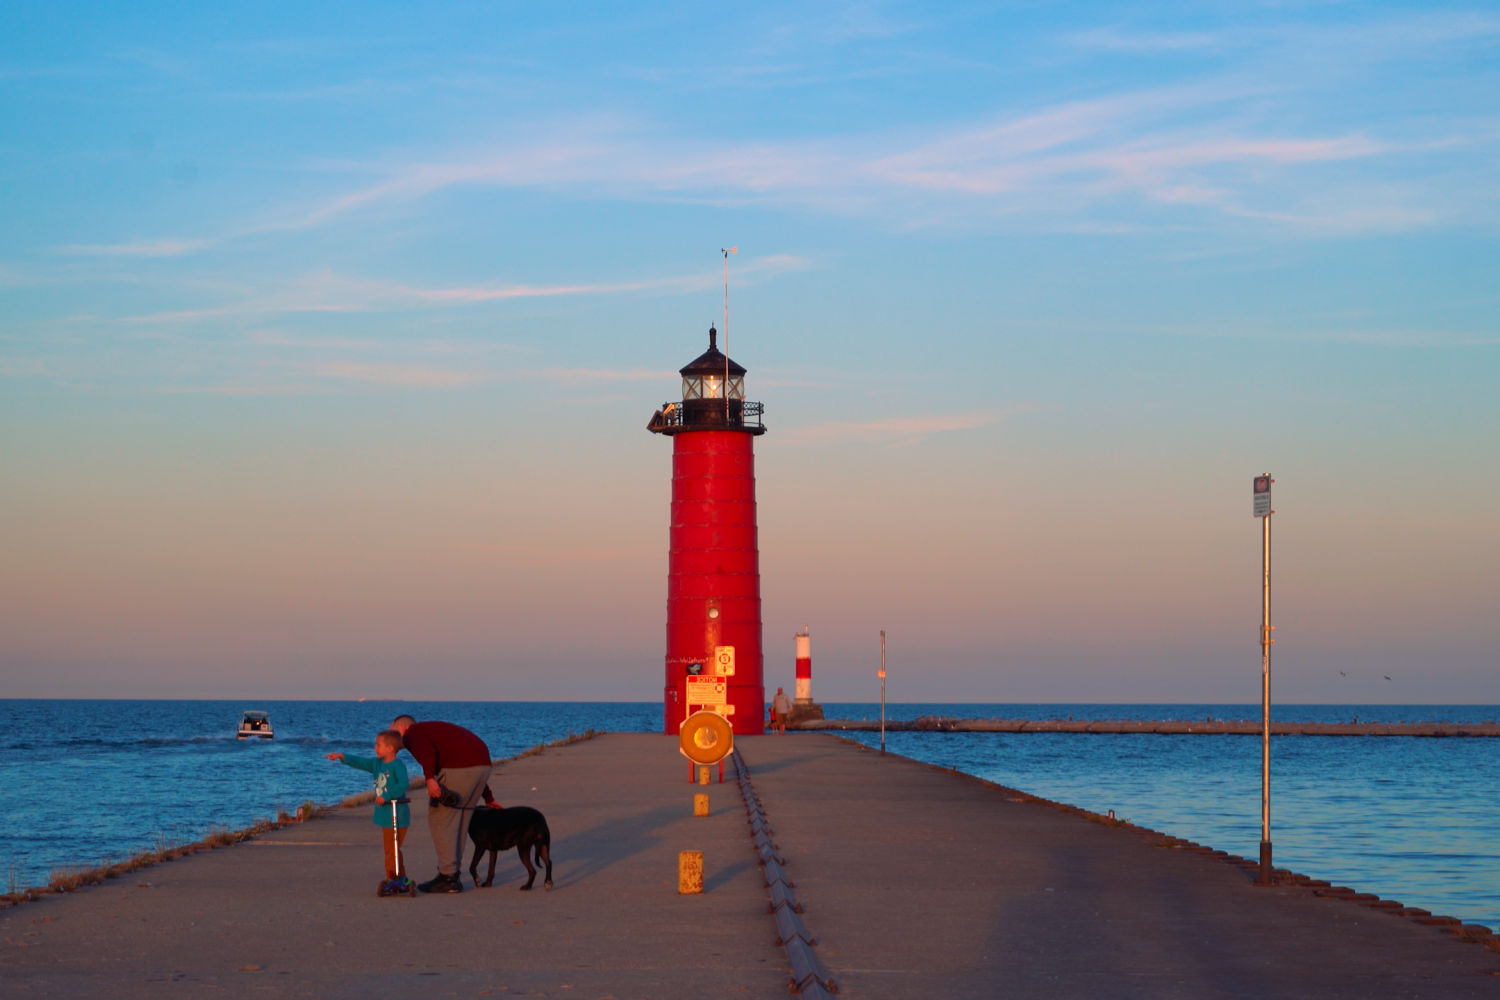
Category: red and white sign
<point>707,691</point>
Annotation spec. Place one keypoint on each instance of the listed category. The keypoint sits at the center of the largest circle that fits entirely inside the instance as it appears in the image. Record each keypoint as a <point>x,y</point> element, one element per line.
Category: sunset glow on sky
<point>328,337</point>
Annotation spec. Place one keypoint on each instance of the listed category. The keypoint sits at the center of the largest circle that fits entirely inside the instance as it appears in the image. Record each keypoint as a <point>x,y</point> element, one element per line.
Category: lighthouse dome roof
<point>711,361</point>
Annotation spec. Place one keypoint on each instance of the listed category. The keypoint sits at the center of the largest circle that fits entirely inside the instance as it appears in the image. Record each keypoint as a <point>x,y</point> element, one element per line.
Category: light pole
<point>882,692</point>
<point>1263,511</point>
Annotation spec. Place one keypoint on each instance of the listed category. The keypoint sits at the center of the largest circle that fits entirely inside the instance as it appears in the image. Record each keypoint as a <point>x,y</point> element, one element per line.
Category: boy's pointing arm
<point>360,763</point>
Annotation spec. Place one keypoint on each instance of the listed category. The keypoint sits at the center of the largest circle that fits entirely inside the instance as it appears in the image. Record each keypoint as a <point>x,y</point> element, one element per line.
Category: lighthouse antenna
<point>726,254</point>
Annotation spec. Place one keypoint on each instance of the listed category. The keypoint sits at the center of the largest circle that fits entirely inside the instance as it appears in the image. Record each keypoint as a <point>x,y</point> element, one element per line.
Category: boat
<point>255,726</point>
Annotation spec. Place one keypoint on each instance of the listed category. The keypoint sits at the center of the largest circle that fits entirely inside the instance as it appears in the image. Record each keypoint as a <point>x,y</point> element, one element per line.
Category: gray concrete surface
<point>299,905</point>
<point>922,883</point>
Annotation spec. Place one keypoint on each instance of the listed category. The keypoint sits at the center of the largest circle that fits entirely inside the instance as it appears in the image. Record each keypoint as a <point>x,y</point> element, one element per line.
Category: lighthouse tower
<point>804,709</point>
<point>713,570</point>
<point>804,666</point>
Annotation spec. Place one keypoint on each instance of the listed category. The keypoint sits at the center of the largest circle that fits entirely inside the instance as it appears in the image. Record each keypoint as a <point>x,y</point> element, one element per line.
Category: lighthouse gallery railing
<point>707,414</point>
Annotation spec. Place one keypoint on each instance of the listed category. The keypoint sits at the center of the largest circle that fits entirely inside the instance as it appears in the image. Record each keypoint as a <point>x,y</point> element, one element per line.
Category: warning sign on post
<point>707,691</point>
<point>724,661</point>
<point>1262,496</point>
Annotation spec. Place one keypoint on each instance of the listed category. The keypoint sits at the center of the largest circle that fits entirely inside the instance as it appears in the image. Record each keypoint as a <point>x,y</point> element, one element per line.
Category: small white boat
<point>255,726</point>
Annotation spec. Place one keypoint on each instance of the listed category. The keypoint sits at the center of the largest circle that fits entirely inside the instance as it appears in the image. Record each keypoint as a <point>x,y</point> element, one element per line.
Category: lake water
<point>1413,819</point>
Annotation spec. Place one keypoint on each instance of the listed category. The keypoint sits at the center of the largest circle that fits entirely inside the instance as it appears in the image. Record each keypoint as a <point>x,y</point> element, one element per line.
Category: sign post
<point>882,692</point>
<point>1263,511</point>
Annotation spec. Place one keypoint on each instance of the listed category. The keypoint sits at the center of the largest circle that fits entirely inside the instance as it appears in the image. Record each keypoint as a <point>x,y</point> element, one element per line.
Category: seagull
<point>1342,674</point>
<point>1383,675</point>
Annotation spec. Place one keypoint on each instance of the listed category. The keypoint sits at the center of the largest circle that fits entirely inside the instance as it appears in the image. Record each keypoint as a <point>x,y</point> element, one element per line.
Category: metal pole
<point>726,254</point>
<point>882,692</point>
<point>1265,699</point>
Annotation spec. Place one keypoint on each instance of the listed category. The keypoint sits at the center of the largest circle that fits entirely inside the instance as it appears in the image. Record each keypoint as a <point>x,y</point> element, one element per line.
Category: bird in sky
<point>1342,674</point>
<point>1383,675</point>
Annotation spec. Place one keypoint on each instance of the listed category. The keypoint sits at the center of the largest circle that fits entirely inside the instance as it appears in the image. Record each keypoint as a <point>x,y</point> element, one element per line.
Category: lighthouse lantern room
<point>713,573</point>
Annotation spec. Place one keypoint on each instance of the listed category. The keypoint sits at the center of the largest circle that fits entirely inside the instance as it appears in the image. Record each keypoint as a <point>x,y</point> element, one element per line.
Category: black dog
<point>497,830</point>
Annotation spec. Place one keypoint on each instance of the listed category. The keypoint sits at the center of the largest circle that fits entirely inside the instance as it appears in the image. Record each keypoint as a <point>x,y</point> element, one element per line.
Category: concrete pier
<point>294,913</point>
<point>922,882</point>
<point>913,881</point>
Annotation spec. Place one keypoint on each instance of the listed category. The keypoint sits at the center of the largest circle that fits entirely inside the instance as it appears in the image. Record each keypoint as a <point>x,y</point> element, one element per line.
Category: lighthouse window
<point>712,387</point>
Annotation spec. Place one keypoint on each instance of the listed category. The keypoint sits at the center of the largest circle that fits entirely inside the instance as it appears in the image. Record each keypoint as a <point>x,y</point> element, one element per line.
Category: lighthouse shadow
<point>586,853</point>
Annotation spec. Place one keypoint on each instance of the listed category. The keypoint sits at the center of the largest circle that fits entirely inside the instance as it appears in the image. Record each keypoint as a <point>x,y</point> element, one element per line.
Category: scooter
<point>400,885</point>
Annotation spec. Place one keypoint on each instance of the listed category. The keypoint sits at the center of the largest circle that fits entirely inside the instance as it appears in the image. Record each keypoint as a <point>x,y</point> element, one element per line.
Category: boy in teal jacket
<point>391,782</point>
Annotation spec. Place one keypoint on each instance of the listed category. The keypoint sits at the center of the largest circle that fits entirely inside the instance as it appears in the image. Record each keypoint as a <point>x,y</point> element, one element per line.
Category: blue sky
<point>328,334</point>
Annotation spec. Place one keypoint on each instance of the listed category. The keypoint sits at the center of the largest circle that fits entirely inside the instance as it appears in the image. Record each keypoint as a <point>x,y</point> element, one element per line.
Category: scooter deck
<point>396,887</point>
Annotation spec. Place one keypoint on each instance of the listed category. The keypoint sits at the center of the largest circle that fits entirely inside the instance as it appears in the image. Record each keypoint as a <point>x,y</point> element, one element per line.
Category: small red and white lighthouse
<point>804,709</point>
<point>804,666</point>
<point>713,572</point>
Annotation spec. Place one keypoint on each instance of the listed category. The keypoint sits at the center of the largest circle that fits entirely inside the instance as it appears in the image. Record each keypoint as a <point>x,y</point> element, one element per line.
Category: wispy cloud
<point>271,338</point>
<point>901,430</point>
<point>244,389</point>
<point>24,368</point>
<point>1185,147</point>
<point>576,375</point>
<point>418,376</point>
<point>156,248</point>
<point>330,293</point>
<point>751,269</point>
<point>1122,40</point>
<point>354,374</point>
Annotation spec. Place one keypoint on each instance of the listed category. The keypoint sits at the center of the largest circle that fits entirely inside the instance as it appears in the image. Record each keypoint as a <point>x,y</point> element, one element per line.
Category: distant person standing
<point>456,764</point>
<point>780,709</point>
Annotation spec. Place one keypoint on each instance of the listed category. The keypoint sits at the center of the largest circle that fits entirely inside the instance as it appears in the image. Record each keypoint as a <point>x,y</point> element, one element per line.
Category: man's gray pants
<point>450,827</point>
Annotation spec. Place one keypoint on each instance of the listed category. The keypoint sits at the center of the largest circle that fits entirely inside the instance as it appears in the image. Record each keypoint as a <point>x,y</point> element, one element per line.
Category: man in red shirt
<point>456,764</point>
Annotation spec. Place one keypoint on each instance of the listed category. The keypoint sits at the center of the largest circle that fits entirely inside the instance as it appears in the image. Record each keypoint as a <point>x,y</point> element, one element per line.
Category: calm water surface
<point>1413,819</point>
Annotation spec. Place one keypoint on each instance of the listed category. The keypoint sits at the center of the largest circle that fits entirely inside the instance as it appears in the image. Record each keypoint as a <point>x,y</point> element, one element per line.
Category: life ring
<point>705,738</point>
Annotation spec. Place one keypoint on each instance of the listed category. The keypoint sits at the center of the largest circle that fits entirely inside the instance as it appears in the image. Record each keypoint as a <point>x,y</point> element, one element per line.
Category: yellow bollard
<point>689,872</point>
<point>700,804</point>
<point>703,774</point>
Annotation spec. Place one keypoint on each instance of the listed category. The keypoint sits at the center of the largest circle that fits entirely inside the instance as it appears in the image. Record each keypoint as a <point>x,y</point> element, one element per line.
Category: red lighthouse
<point>713,574</point>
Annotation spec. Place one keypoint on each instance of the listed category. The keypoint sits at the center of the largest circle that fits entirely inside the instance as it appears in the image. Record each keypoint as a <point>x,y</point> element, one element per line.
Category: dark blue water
<point>1413,819</point>
<point>1408,818</point>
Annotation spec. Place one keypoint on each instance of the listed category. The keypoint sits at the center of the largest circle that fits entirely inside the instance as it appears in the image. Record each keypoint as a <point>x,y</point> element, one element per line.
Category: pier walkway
<point>919,882</point>
<point>294,913</point>
<point>916,882</point>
